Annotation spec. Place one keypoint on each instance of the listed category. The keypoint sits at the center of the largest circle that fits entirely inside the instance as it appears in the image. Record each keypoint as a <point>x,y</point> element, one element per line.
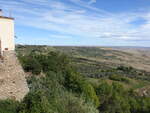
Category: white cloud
<point>89,7</point>
<point>92,1</point>
<point>81,19</point>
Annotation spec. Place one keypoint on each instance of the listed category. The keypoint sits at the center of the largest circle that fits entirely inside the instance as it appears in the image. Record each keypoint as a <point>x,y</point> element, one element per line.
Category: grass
<point>133,84</point>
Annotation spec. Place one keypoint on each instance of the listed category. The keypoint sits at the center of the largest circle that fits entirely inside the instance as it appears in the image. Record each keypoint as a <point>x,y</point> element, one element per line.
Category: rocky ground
<point>12,78</point>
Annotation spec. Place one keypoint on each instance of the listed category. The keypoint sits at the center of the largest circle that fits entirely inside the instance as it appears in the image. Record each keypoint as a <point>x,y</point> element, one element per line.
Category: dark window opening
<point>6,49</point>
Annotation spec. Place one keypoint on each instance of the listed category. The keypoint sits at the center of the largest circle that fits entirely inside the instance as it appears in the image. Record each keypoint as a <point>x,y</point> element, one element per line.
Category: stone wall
<point>13,84</point>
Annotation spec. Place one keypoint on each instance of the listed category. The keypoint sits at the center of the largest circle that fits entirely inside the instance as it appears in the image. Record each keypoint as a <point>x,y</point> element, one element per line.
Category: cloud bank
<point>77,18</point>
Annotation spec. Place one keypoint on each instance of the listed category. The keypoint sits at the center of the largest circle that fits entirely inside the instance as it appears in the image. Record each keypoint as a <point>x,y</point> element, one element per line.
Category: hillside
<point>80,80</point>
<point>103,62</point>
<point>135,57</point>
<point>96,60</point>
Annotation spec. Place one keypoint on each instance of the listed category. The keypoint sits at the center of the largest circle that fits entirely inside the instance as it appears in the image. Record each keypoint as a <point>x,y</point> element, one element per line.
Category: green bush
<point>55,98</point>
<point>35,102</point>
<point>104,91</point>
<point>76,83</point>
<point>53,61</point>
<point>90,93</point>
<point>113,98</point>
<point>8,106</point>
<point>119,78</point>
<point>68,103</point>
<point>73,81</point>
<point>125,69</point>
<point>30,64</point>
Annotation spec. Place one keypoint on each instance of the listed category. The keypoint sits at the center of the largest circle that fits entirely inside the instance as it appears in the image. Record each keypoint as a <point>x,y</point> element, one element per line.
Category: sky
<point>80,22</point>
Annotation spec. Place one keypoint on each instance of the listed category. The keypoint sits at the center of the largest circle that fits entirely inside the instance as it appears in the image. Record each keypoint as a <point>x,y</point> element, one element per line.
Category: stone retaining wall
<point>13,84</point>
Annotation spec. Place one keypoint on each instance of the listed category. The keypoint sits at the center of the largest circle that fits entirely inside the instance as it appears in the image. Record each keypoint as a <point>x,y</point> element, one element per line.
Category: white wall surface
<point>7,34</point>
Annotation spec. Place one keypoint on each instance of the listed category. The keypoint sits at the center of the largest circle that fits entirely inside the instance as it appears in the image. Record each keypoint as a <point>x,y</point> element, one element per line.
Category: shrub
<point>76,83</point>
<point>30,64</point>
<point>104,91</point>
<point>53,61</point>
<point>90,93</point>
<point>67,103</point>
<point>119,78</point>
<point>125,69</point>
<point>113,98</point>
<point>35,102</point>
<point>8,106</point>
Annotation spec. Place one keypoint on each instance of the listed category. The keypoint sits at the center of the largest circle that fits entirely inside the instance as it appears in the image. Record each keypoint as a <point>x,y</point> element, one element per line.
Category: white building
<point>6,33</point>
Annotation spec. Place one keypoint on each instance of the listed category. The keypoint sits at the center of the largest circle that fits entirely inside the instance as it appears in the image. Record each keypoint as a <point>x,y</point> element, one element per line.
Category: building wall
<point>7,34</point>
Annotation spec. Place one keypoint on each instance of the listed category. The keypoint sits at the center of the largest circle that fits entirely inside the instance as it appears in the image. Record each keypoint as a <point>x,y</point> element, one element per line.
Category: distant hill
<point>137,57</point>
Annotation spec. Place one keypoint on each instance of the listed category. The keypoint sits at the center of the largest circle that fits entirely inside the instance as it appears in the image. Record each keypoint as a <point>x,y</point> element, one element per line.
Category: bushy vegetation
<point>119,78</point>
<point>30,64</point>
<point>64,90</point>
<point>8,106</point>
<point>114,99</point>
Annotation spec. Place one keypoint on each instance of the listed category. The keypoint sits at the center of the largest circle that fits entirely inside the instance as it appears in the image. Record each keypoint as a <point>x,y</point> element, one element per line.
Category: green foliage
<point>35,103</point>
<point>144,104</point>
<point>134,105</point>
<point>53,61</point>
<point>119,78</point>
<point>76,83</point>
<point>104,91</point>
<point>58,100</point>
<point>62,103</point>
<point>8,106</point>
<point>64,90</point>
<point>30,64</point>
<point>73,81</point>
<point>118,88</point>
<point>90,93</point>
<point>114,99</point>
<point>56,87</point>
<point>124,68</point>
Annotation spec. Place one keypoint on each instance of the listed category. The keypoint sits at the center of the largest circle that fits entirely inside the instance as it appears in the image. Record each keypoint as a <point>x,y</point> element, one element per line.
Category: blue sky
<point>80,22</point>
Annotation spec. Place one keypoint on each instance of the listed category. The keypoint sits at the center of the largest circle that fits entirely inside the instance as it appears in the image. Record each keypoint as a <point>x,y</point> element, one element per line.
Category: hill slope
<point>129,64</point>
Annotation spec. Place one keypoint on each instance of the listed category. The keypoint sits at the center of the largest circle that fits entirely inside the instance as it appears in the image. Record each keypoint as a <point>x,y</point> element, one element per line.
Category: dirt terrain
<point>138,58</point>
<point>13,84</point>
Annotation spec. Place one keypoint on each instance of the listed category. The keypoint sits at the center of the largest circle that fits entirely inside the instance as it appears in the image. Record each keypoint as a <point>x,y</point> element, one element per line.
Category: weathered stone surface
<point>12,78</point>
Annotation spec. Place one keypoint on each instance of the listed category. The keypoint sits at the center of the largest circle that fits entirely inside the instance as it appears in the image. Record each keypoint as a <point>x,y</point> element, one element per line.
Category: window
<point>6,49</point>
